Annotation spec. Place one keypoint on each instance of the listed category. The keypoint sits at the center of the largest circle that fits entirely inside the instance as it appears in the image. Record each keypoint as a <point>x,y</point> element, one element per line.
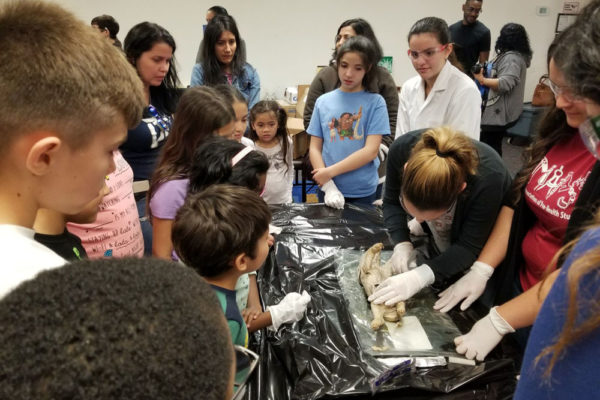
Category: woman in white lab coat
<point>440,94</point>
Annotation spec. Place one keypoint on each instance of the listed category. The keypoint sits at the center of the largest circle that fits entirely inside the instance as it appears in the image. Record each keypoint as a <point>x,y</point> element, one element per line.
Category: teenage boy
<point>67,100</point>
<point>223,232</point>
<point>117,328</point>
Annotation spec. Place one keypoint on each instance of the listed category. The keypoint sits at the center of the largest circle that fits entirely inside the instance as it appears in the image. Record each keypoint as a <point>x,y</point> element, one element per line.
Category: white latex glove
<point>401,257</point>
<point>469,287</point>
<point>415,228</point>
<point>333,197</point>
<point>483,337</point>
<point>402,286</point>
<point>290,309</point>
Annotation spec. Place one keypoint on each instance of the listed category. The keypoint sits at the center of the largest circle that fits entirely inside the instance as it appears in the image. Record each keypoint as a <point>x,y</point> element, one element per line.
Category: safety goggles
<point>565,91</point>
<point>427,54</point>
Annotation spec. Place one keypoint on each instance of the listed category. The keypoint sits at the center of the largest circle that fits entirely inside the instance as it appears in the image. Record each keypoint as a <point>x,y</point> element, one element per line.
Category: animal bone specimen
<point>371,274</point>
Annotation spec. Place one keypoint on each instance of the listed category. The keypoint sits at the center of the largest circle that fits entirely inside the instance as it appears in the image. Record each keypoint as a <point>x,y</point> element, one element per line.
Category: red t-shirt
<point>551,192</point>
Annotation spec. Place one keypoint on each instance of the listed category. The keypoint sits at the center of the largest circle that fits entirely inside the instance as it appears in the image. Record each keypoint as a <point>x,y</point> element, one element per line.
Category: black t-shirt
<point>144,142</point>
<point>66,245</point>
<point>469,41</point>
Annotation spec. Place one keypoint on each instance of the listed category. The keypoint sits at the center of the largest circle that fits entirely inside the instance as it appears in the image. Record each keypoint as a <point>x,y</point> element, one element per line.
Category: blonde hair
<point>574,330</point>
<point>439,164</point>
<point>58,74</point>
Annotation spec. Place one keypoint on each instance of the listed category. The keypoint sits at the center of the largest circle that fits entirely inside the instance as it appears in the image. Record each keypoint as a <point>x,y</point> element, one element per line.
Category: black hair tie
<point>442,154</point>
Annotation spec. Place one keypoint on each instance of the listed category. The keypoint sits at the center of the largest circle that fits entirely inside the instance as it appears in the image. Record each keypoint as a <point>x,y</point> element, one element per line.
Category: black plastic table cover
<point>320,356</point>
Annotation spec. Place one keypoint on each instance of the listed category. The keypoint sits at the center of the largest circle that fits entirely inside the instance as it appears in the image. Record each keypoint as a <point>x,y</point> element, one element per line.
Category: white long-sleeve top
<point>454,101</point>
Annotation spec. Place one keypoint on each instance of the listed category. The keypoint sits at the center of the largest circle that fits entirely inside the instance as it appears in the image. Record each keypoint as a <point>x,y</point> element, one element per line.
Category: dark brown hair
<point>218,224</point>
<point>200,113</point>
<point>265,106</point>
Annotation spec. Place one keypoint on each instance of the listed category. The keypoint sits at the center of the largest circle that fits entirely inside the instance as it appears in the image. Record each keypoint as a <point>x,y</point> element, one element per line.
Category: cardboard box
<point>302,94</point>
<point>295,127</point>
<point>290,109</point>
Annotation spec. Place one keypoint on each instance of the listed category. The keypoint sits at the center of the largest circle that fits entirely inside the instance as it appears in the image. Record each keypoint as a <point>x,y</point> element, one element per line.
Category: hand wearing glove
<point>483,337</point>
<point>402,286</point>
<point>401,257</point>
<point>469,287</point>
<point>333,197</point>
<point>290,309</point>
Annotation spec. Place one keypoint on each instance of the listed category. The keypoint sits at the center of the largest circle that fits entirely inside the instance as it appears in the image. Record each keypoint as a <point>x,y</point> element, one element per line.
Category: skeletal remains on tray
<point>370,274</point>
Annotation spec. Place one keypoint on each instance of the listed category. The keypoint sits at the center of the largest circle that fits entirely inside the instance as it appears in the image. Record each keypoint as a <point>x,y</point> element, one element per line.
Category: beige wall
<point>286,39</point>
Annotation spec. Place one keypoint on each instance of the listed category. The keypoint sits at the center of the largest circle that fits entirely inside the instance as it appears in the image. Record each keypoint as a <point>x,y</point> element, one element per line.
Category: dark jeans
<point>492,135</point>
<point>145,225</point>
<point>364,202</point>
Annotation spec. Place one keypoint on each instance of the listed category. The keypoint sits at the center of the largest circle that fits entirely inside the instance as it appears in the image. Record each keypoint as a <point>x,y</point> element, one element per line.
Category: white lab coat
<point>454,101</point>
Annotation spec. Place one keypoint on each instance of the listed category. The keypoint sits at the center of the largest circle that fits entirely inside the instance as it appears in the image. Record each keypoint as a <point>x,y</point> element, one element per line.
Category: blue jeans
<point>145,225</point>
<point>364,202</point>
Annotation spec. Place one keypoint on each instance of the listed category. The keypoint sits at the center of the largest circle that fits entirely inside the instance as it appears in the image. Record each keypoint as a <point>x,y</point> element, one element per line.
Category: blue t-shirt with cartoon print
<point>344,120</point>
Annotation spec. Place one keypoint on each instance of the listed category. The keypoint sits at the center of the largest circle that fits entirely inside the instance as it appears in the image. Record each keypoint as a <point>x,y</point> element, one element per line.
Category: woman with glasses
<point>441,94</point>
<point>150,48</point>
<point>327,79</point>
<point>448,187</point>
<point>554,197</point>
<point>504,103</point>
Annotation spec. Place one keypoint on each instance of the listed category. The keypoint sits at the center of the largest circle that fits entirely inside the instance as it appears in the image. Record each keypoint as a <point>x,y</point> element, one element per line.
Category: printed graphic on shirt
<point>158,128</point>
<point>347,126</point>
<point>276,161</point>
<point>554,189</point>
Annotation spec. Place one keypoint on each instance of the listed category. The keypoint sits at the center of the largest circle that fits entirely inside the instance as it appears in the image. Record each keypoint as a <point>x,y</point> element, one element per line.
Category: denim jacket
<point>248,82</point>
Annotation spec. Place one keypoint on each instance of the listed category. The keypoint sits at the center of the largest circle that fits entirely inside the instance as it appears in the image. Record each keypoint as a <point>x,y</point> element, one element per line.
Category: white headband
<point>242,153</point>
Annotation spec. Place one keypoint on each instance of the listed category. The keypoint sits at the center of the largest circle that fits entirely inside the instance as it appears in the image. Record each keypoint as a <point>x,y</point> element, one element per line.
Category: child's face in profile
<point>241,120</point>
<point>79,174</point>
<point>90,212</point>
<point>261,252</point>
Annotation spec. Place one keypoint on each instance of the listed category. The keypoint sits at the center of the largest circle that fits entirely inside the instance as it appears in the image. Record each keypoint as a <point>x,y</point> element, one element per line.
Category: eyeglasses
<point>589,131</point>
<point>427,54</point>
<point>163,122</point>
<point>476,11</point>
<point>565,91</point>
<point>246,363</point>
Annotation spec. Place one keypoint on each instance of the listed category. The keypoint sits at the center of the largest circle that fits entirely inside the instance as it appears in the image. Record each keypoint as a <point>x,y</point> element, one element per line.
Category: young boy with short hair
<point>125,328</point>
<point>223,232</point>
<point>67,100</point>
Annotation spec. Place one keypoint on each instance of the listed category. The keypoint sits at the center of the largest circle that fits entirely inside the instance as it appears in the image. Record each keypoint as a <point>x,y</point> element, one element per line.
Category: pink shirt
<point>117,230</point>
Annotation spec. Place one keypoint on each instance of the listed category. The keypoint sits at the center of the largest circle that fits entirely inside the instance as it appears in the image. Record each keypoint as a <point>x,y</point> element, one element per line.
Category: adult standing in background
<point>507,84</point>
<point>150,48</point>
<point>440,94</point>
<point>327,79</point>
<point>210,14</point>
<point>223,61</point>
<point>471,38</point>
<point>108,27</point>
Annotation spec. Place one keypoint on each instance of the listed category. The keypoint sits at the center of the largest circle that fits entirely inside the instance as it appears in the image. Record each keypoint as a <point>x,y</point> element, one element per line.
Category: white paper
<point>409,336</point>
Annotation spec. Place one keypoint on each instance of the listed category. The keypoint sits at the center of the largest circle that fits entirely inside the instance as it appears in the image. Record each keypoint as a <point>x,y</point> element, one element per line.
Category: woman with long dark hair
<point>224,60</point>
<point>150,48</point>
<point>327,79</point>
<point>507,85</point>
<point>555,196</point>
